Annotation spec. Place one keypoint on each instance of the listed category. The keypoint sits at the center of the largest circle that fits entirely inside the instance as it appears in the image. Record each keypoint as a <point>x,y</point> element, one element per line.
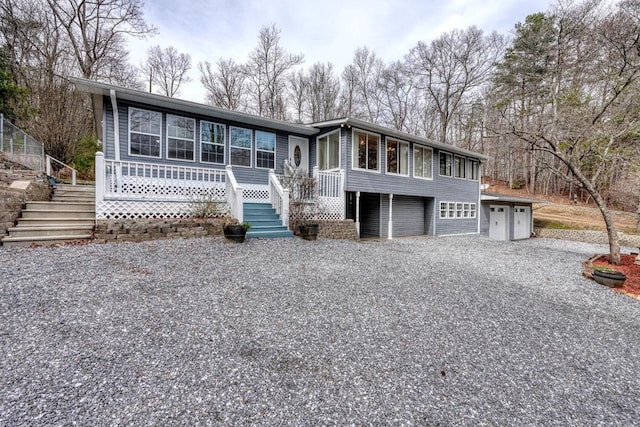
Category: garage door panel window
<point>457,210</point>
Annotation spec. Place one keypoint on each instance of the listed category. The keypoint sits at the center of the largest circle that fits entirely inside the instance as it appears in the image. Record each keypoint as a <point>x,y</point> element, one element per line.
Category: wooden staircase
<point>265,222</point>
<point>69,216</point>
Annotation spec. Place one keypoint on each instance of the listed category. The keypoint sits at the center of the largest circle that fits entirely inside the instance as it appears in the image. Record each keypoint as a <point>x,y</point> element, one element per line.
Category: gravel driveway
<point>417,331</point>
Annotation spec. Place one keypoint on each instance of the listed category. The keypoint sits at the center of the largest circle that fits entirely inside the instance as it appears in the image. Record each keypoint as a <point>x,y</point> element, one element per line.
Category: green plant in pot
<point>234,231</point>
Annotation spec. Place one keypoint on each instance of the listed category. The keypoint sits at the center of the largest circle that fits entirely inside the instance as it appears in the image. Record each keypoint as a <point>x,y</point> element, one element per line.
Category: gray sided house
<point>160,153</point>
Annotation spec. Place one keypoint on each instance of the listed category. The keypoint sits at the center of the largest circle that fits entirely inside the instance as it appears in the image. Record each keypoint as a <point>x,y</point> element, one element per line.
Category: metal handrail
<point>74,172</point>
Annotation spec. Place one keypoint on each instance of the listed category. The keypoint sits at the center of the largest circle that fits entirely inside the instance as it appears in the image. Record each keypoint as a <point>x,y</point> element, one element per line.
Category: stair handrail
<point>49,159</point>
<point>234,194</point>
<point>279,197</point>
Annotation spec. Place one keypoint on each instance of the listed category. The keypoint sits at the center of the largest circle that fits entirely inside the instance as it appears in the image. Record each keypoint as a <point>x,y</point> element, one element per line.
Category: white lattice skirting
<point>128,209</point>
<point>255,193</point>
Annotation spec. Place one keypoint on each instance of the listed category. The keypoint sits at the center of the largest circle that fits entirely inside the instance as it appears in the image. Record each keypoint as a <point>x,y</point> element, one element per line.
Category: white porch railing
<point>279,197</point>
<point>48,170</point>
<point>234,195</point>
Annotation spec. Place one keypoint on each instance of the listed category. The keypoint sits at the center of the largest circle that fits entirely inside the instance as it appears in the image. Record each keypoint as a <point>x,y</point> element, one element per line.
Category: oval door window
<point>297,155</point>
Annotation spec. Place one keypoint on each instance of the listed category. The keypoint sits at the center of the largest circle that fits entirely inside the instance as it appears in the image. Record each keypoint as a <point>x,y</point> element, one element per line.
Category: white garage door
<point>521,222</point>
<point>498,222</point>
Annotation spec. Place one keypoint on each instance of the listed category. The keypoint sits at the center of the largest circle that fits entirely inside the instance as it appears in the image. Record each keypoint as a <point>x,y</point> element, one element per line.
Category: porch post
<point>358,212</point>
<point>100,178</point>
<point>343,194</point>
<point>390,226</point>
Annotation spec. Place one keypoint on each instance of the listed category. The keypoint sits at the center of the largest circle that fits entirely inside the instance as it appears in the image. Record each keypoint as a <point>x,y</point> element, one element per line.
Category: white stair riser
<point>58,214</point>
<point>7,242</point>
<point>61,206</point>
<point>19,232</point>
<point>56,222</point>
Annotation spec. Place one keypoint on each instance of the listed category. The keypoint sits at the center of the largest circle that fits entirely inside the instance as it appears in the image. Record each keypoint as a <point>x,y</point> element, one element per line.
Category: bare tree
<point>167,69</point>
<point>323,92</point>
<point>225,86</point>
<point>266,72</point>
<point>452,67</point>
<point>397,96</point>
<point>298,94</point>
<point>361,79</point>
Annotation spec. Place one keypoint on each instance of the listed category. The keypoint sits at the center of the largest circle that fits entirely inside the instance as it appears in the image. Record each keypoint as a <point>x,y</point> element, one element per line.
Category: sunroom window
<point>459,165</point>
<point>211,142</point>
<point>397,157</point>
<point>265,150</point>
<point>422,161</point>
<point>446,165</point>
<point>240,146</point>
<point>144,132</point>
<point>329,151</point>
<point>365,150</point>
<point>180,138</point>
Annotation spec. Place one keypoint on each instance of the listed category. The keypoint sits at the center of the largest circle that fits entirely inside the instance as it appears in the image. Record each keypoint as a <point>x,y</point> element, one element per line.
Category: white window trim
<point>326,135</point>
<point>181,139</point>
<point>275,145</point>
<point>456,207</point>
<point>413,163</point>
<point>130,109</point>
<point>386,158</point>
<point>241,148</point>
<point>354,154</point>
<point>452,165</point>
<point>469,162</point>
<point>224,144</point>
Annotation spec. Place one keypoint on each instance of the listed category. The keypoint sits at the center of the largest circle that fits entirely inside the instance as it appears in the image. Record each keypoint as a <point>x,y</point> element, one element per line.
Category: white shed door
<point>521,222</point>
<point>498,222</point>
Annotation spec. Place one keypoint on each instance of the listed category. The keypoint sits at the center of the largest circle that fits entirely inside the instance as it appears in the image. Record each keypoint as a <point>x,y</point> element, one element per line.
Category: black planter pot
<point>308,231</point>
<point>612,279</point>
<point>234,233</point>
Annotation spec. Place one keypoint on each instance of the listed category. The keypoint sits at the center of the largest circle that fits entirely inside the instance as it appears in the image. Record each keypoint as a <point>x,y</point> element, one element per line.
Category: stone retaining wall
<point>142,230</point>
<point>12,200</point>
<point>345,229</point>
<point>588,236</point>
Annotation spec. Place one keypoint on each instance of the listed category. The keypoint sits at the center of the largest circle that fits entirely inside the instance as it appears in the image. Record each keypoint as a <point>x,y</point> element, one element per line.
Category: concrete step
<point>42,241</point>
<point>264,222</point>
<point>60,206</point>
<point>59,213</point>
<point>81,187</point>
<point>83,199</point>
<point>50,230</point>
<point>65,222</point>
<point>268,234</point>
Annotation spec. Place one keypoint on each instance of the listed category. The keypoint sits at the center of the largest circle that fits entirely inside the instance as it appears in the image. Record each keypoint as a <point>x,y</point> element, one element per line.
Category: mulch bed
<point>632,271</point>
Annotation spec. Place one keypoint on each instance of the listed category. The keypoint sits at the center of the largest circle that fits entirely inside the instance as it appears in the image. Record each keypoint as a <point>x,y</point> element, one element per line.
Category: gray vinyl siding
<point>384,215</point>
<point>408,216</point>
<point>430,213</point>
<point>251,175</point>
<point>369,215</point>
<point>484,218</point>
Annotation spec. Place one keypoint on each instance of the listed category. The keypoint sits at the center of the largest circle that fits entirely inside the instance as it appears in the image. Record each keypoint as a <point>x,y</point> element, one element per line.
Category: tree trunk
<point>614,242</point>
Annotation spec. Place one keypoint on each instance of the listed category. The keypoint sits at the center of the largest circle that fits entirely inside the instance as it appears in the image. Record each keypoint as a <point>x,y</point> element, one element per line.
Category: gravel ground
<point>417,331</point>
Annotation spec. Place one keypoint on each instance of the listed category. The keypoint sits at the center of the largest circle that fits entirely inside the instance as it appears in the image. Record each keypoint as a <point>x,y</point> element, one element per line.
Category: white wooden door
<point>299,152</point>
<point>521,222</point>
<point>498,222</point>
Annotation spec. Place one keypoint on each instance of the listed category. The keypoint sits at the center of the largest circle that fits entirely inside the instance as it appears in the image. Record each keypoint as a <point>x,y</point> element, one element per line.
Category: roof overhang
<point>160,101</point>
<point>506,198</point>
<point>347,121</point>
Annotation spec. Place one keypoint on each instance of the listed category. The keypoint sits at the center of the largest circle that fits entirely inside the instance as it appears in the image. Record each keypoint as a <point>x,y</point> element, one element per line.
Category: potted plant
<point>608,277</point>
<point>234,231</point>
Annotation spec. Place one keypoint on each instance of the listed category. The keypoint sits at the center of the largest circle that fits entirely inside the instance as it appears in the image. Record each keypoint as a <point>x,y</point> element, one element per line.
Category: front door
<point>299,152</point>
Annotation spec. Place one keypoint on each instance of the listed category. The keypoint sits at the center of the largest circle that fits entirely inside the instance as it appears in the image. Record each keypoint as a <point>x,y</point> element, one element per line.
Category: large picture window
<point>446,164</point>
<point>240,146</point>
<point>329,151</point>
<point>144,132</point>
<point>422,161</point>
<point>397,157</point>
<point>211,142</point>
<point>365,150</point>
<point>265,150</point>
<point>460,167</point>
<point>180,138</point>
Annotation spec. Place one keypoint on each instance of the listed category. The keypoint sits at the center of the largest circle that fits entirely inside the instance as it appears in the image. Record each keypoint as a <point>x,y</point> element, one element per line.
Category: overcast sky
<point>322,30</point>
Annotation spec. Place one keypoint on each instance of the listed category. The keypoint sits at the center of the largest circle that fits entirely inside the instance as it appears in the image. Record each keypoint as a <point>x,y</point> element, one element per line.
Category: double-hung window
<point>181,138</point>
<point>473,170</point>
<point>460,167</point>
<point>446,164</point>
<point>211,142</point>
<point>329,151</point>
<point>422,161</point>
<point>240,146</point>
<point>365,150</point>
<point>144,132</point>
<point>265,150</point>
<point>397,157</point>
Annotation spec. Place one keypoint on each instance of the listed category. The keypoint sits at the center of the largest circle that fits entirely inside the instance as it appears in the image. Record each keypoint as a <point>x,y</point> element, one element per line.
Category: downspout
<point>479,205</point>
<point>116,124</point>
<point>390,225</point>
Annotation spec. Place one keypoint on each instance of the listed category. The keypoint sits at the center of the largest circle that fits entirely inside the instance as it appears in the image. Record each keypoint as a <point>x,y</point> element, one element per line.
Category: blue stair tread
<point>265,222</point>
<point>269,234</point>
